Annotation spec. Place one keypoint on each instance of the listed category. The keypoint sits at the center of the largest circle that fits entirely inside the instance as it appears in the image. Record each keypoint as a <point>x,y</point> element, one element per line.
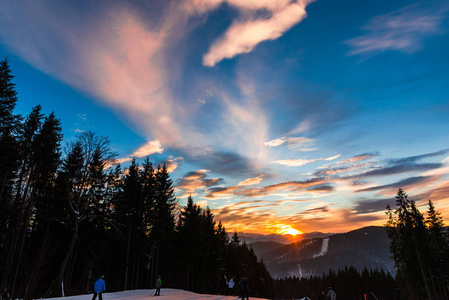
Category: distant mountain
<point>251,238</point>
<point>365,247</point>
<point>264,248</point>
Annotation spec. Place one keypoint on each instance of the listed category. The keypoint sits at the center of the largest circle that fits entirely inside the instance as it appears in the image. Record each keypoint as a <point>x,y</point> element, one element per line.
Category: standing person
<point>231,287</point>
<point>99,288</point>
<point>331,294</point>
<point>158,286</point>
<point>245,289</point>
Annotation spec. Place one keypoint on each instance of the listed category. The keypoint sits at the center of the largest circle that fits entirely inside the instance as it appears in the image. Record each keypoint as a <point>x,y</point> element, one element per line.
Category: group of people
<point>227,287</point>
<point>100,287</point>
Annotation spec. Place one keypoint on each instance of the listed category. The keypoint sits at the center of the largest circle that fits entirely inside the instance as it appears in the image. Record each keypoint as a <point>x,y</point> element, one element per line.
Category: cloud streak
<point>243,35</point>
<point>402,30</point>
<point>301,162</point>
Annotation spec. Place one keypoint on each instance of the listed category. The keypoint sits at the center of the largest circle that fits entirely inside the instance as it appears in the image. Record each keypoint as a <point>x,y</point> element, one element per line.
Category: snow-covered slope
<point>324,248</point>
<point>147,294</point>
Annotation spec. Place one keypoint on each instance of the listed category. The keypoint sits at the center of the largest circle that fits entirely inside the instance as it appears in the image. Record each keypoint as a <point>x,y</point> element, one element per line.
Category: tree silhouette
<point>417,246</point>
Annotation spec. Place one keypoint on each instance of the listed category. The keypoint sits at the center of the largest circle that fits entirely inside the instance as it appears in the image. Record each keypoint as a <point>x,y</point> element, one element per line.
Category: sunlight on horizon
<point>289,230</point>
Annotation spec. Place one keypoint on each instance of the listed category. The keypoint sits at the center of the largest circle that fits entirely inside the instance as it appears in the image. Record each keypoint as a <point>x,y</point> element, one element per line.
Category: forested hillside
<point>69,216</point>
<point>362,248</point>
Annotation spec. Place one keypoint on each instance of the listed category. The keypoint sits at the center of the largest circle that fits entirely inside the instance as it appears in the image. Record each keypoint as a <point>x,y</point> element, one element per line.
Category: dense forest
<point>347,283</point>
<point>69,216</point>
<point>69,213</point>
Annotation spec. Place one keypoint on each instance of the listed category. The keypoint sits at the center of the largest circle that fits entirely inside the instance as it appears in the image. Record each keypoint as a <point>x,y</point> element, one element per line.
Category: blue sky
<point>275,114</point>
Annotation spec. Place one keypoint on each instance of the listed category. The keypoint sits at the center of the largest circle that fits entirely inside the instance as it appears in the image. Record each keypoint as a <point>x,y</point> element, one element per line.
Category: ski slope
<point>148,294</point>
<point>324,247</point>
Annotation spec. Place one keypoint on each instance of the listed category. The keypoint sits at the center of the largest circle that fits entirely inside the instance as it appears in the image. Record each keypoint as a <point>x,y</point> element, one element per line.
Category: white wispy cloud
<point>293,143</point>
<point>294,162</point>
<point>302,127</point>
<point>403,30</point>
<point>243,35</point>
<point>301,162</point>
<point>300,144</point>
<point>276,142</point>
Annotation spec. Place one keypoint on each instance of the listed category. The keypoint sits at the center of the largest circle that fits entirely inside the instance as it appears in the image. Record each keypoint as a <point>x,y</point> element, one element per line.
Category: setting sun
<point>289,230</point>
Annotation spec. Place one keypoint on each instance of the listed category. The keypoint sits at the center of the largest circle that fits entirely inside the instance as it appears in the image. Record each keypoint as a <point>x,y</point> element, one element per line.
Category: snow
<point>146,294</point>
<point>324,248</point>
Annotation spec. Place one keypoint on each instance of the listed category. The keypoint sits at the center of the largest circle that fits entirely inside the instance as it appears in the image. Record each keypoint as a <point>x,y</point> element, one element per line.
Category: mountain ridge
<point>364,247</point>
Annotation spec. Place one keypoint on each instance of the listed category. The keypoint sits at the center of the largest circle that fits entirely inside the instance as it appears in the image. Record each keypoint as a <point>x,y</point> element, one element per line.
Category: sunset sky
<point>276,114</point>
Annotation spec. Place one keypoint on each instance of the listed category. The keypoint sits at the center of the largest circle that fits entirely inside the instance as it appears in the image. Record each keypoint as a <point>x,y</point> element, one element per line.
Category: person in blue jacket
<point>99,288</point>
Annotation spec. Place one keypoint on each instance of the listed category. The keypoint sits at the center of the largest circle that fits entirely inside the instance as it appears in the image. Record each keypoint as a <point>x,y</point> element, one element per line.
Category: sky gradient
<point>275,114</point>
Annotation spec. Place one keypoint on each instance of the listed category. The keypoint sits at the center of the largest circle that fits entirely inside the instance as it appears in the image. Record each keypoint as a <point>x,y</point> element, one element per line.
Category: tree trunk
<point>13,247</point>
<point>127,257</point>
<point>3,185</point>
<point>27,207</point>
<point>68,255</point>
<point>429,294</point>
<point>29,291</point>
<point>19,258</point>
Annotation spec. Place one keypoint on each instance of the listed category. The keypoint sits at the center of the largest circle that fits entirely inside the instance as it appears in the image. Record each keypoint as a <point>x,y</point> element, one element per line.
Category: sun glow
<point>289,230</point>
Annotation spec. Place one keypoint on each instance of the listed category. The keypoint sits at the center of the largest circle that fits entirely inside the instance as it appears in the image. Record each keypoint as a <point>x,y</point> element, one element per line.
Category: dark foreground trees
<point>420,250</point>
<point>348,283</point>
<point>207,258</point>
<point>67,217</point>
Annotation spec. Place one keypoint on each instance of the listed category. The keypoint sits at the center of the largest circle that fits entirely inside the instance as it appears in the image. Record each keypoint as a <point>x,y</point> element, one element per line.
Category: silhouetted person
<point>158,286</point>
<point>331,294</point>
<point>245,289</point>
<point>99,288</point>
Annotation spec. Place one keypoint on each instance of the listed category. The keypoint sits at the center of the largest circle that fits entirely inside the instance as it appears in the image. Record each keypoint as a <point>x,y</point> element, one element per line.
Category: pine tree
<point>410,244</point>
<point>187,236</point>
<point>163,220</point>
<point>8,124</point>
<point>129,215</point>
<point>20,198</point>
<point>43,162</point>
<point>439,252</point>
<point>8,166</point>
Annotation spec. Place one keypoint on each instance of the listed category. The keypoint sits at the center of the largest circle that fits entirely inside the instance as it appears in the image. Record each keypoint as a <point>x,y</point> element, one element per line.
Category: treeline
<point>67,217</point>
<point>420,249</point>
<point>347,283</point>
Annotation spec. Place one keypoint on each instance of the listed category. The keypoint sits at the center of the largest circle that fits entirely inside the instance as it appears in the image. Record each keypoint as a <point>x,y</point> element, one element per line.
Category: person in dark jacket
<point>245,288</point>
<point>99,288</point>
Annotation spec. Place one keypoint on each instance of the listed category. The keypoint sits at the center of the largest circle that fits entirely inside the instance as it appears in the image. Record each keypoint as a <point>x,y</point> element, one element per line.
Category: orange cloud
<point>194,181</point>
<point>172,164</point>
<point>149,148</point>
<point>251,181</point>
<point>260,217</point>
